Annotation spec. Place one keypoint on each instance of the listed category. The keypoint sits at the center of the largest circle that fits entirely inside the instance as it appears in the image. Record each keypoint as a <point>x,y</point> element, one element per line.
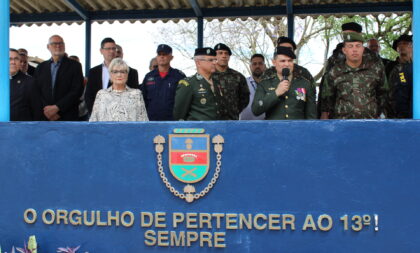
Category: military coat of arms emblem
<point>189,160</point>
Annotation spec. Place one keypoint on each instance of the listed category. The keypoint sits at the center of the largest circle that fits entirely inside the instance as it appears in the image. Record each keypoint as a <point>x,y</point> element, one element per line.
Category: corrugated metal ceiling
<point>171,9</point>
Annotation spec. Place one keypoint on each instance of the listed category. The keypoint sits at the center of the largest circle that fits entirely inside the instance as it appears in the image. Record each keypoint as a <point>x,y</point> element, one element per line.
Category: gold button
<point>286,106</point>
<point>287,97</point>
<point>287,116</point>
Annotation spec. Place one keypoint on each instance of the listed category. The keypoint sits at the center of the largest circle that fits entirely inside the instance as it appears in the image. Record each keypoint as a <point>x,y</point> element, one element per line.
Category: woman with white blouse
<point>119,102</point>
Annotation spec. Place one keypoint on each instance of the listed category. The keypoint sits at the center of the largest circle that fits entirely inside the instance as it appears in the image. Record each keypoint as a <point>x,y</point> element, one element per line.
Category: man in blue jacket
<point>159,86</point>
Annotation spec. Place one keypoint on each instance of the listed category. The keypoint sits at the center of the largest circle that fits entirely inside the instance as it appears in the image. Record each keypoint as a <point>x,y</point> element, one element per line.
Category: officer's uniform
<point>297,103</point>
<point>195,100</point>
<point>159,93</point>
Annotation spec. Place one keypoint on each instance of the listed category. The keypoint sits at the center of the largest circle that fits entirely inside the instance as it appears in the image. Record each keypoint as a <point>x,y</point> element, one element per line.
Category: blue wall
<point>299,168</point>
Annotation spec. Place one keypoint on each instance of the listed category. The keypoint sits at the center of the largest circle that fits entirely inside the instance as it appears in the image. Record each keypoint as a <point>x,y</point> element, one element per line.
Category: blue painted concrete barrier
<point>302,186</point>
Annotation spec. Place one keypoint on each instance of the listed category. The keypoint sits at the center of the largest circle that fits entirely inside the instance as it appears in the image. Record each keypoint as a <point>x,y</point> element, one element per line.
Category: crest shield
<point>189,156</point>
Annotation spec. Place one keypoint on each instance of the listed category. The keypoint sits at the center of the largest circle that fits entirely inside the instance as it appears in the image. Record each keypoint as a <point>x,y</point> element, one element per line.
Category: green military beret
<point>353,37</point>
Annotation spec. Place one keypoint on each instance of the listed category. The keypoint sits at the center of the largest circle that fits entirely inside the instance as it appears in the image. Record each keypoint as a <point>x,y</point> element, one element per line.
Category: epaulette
<point>184,82</point>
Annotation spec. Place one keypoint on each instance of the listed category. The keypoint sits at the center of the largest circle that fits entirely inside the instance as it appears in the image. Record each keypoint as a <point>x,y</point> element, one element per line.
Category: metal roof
<point>69,11</point>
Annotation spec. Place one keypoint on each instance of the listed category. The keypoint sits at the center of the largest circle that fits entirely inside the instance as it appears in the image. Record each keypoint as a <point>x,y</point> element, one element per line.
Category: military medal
<point>203,101</point>
<point>300,94</point>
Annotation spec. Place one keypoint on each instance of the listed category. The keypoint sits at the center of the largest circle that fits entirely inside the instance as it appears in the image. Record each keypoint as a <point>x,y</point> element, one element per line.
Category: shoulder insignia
<point>184,82</point>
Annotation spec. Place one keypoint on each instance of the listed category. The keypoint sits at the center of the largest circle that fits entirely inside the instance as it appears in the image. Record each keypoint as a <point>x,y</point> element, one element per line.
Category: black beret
<point>284,39</point>
<point>285,51</point>
<point>205,51</point>
<point>352,26</point>
<point>404,37</point>
<point>222,46</point>
<point>164,48</point>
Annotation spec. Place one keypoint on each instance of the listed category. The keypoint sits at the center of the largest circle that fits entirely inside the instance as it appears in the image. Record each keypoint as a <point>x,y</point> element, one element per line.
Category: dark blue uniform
<point>159,93</point>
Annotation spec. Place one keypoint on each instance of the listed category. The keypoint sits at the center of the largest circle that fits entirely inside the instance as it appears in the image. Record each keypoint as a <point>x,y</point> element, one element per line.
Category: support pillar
<point>290,19</point>
<point>200,30</point>
<point>88,45</point>
<point>416,59</point>
<point>4,63</point>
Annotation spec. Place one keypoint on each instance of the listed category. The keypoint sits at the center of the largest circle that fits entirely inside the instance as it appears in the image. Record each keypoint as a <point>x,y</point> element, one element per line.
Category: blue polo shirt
<point>159,93</point>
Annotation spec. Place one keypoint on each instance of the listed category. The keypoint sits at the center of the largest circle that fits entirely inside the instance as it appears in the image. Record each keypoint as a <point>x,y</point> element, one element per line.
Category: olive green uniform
<point>194,100</point>
<point>297,103</point>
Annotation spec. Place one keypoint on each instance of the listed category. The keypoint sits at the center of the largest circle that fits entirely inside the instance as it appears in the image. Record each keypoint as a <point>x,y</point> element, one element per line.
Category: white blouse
<point>116,105</point>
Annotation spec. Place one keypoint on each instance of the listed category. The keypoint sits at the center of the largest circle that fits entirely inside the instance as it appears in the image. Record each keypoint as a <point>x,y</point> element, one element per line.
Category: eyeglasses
<point>110,48</point>
<point>208,60</point>
<point>124,72</point>
<point>56,43</point>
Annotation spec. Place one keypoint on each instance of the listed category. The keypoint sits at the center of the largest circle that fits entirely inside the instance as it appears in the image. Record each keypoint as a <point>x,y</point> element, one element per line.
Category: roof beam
<point>273,11</point>
<point>196,8</point>
<point>73,4</point>
<point>353,8</point>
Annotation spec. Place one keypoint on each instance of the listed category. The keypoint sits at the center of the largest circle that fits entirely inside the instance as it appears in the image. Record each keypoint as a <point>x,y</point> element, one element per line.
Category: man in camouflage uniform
<point>196,96</point>
<point>285,98</point>
<point>401,79</point>
<point>356,88</point>
<point>297,69</point>
<point>338,57</point>
<point>234,89</point>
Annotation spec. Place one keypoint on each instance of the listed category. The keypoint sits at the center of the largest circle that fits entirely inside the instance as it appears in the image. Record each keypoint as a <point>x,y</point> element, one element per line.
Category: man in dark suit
<point>98,77</point>
<point>59,83</point>
<point>23,102</point>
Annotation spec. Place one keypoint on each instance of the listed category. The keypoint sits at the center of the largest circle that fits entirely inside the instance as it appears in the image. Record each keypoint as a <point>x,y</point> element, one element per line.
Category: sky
<point>139,42</point>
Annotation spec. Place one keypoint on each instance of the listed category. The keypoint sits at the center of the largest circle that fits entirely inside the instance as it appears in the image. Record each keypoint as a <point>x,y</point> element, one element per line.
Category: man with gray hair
<point>59,82</point>
<point>196,96</point>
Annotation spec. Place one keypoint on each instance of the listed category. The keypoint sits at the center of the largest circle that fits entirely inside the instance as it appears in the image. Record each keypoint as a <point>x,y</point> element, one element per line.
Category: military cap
<point>222,46</point>
<point>352,37</point>
<point>404,37</point>
<point>285,51</point>
<point>164,48</point>
<point>284,39</point>
<point>205,51</point>
<point>352,26</point>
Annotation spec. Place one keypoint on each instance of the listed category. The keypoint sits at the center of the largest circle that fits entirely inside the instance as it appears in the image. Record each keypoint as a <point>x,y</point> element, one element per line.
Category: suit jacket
<point>67,89</point>
<point>94,84</point>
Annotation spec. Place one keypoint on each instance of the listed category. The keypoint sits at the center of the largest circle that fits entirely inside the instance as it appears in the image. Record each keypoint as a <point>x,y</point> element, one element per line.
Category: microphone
<point>285,73</point>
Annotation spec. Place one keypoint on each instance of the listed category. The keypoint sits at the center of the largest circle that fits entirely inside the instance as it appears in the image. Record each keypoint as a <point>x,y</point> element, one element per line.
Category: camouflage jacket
<point>401,91</point>
<point>235,93</point>
<point>297,71</point>
<point>355,93</point>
